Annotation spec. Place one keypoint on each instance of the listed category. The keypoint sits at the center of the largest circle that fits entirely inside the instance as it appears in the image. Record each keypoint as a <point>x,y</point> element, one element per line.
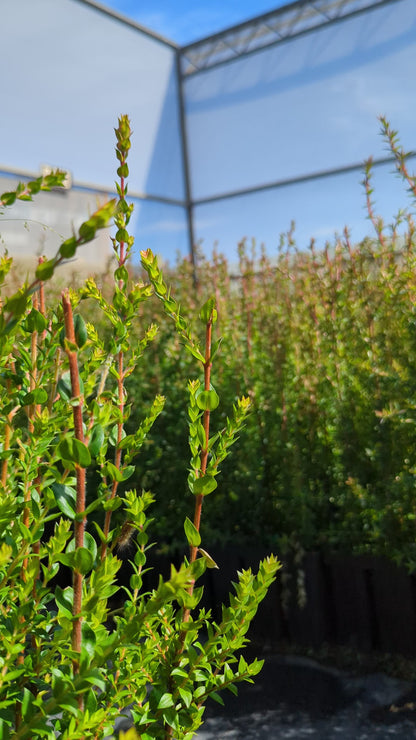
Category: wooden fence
<point>365,603</point>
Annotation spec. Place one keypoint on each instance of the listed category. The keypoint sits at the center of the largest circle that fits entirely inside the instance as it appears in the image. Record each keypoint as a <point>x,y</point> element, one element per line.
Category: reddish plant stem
<point>40,304</point>
<point>375,220</point>
<point>204,459</point>
<point>118,454</point>
<point>122,248</point>
<point>27,492</point>
<point>206,419</point>
<point>199,498</point>
<point>7,436</point>
<point>122,256</point>
<point>31,413</point>
<point>80,521</point>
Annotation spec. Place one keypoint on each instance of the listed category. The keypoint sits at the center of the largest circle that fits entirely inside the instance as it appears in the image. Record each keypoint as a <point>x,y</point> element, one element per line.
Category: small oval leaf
<point>73,450</point>
<point>96,440</point>
<point>165,701</point>
<point>191,532</point>
<point>204,485</point>
<point>207,310</point>
<point>65,497</point>
<point>83,560</point>
<point>88,639</point>
<point>45,270</point>
<point>38,395</point>
<point>81,334</point>
<point>207,400</point>
<point>89,543</point>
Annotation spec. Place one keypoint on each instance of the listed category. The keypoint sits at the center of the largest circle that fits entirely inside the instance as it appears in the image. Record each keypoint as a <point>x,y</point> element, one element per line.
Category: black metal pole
<point>186,168</point>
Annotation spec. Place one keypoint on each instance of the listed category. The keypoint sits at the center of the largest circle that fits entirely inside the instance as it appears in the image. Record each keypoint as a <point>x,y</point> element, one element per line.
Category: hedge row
<point>324,341</point>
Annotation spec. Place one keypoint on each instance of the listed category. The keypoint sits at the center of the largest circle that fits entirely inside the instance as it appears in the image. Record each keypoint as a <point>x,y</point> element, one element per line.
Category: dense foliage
<point>78,647</point>
<point>326,342</point>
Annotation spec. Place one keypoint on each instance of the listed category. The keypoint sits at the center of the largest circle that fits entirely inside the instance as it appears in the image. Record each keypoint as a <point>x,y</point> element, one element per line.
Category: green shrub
<point>72,662</point>
<point>325,340</point>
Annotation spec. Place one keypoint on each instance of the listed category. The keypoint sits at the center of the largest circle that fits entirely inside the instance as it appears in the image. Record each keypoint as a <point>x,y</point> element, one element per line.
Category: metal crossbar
<point>266,30</point>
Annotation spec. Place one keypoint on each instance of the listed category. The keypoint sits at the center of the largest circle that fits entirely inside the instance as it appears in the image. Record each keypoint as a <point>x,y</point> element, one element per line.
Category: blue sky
<point>184,21</point>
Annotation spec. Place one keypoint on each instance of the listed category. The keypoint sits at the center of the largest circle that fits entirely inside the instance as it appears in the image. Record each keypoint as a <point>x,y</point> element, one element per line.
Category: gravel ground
<point>297,698</point>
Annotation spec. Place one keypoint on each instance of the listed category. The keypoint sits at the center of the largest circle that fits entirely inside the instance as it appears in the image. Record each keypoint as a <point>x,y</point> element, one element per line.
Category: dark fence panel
<point>394,595</point>
<point>365,603</point>
<point>351,595</point>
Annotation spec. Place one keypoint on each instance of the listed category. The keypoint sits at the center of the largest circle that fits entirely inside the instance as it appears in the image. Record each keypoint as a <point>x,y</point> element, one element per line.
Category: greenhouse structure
<point>235,135</point>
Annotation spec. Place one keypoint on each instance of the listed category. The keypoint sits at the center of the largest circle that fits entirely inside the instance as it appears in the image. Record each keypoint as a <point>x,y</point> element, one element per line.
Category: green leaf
<point>179,671</point>
<point>34,186</point>
<point>7,199</point>
<point>217,697</point>
<point>100,532</point>
<point>95,678</point>
<point>17,304</point>
<point>204,485</point>
<point>64,387</point>
<point>128,471</point>
<point>123,170</point>
<point>122,235</point>
<point>96,440</point>
<point>208,310</point>
<point>73,450</point>
<point>136,581</point>
<point>113,436</point>
<point>45,270</point>
<point>191,532</point>
<point>87,230</point>
<point>68,248</point>
<point>81,334</point>
<point>195,352</point>
<point>35,321</point>
<point>186,697</point>
<point>165,701</point>
<point>64,600</point>
<point>27,705</point>
<point>215,347</point>
<point>71,708</point>
<point>198,567</point>
<point>91,704</point>
<point>83,560</point>
<point>242,665</point>
<point>89,543</point>
<point>255,667</point>
<point>121,273</point>
<point>201,434</point>
<point>113,472</point>
<point>82,454</point>
<point>38,395</point>
<point>112,503</point>
<point>65,497</point>
<point>64,384</point>
<point>207,400</point>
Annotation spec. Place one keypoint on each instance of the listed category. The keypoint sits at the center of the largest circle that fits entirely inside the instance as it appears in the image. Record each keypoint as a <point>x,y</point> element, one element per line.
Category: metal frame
<point>283,24</point>
<point>185,164</point>
<point>357,167</point>
<point>274,27</point>
<point>94,188</point>
<point>128,22</point>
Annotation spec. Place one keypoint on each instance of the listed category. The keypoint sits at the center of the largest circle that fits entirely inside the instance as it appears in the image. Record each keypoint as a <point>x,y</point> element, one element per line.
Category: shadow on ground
<point>297,698</point>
